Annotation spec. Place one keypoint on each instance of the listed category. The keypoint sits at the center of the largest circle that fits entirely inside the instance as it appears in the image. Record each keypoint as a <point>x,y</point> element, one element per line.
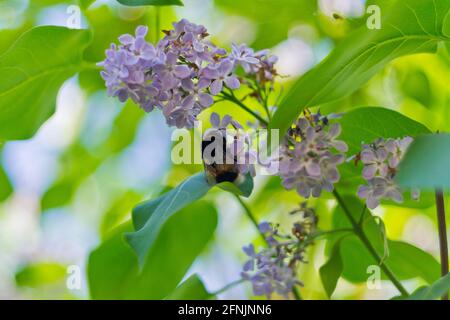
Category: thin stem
<point>325,233</point>
<point>252,218</point>
<point>250,215</point>
<point>362,236</point>
<point>440,210</point>
<point>231,97</point>
<point>227,287</point>
<point>361,218</point>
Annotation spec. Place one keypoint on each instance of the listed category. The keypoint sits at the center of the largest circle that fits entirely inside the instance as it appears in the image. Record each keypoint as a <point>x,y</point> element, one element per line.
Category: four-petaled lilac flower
<point>244,56</point>
<point>197,94</point>
<point>220,74</point>
<point>380,160</point>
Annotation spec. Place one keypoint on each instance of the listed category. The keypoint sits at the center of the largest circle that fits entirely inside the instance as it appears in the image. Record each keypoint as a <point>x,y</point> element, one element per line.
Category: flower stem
<point>250,215</point>
<point>252,218</point>
<point>440,210</point>
<point>227,287</point>
<point>232,98</point>
<point>359,231</point>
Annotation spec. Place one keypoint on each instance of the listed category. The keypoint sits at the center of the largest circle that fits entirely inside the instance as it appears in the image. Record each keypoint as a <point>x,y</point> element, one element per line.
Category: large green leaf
<point>426,163</point>
<point>113,270</point>
<point>151,2</point>
<point>150,216</point>
<point>408,27</point>
<point>365,125</point>
<point>405,260</point>
<point>191,289</point>
<point>111,265</point>
<point>332,270</point>
<point>33,70</point>
<point>433,292</point>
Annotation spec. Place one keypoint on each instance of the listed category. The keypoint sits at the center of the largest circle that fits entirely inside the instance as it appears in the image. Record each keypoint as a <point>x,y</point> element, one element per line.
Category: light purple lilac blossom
<point>181,73</point>
<point>380,160</point>
<point>273,269</point>
<point>310,155</point>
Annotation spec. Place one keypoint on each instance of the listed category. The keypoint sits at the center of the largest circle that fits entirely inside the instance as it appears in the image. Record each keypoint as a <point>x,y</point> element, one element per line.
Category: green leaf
<point>85,3</point>
<point>417,86</point>
<point>191,289</point>
<point>40,274</point>
<point>180,240</point>
<point>156,212</point>
<point>425,164</point>
<point>5,185</point>
<point>406,261</point>
<point>243,186</point>
<point>115,256</point>
<point>365,125</point>
<point>149,216</point>
<point>408,27</point>
<point>332,270</point>
<point>33,70</point>
<point>118,210</point>
<point>433,292</point>
<point>169,203</point>
<point>151,2</point>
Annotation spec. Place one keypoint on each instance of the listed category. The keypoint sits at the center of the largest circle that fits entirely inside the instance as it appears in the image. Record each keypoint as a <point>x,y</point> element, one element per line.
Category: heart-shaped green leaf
<point>405,260</point>
<point>426,163</point>
<point>191,289</point>
<point>33,70</point>
<point>150,216</point>
<point>433,292</point>
<point>113,269</point>
<point>407,27</point>
<point>332,269</point>
<point>365,125</point>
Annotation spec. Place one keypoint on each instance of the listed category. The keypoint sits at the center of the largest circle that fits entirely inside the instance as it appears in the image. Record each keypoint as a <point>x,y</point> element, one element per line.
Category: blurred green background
<point>65,189</point>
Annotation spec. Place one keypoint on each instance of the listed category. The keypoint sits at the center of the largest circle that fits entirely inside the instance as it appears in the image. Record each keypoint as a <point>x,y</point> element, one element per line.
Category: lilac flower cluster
<point>273,269</point>
<point>181,74</point>
<point>310,155</point>
<point>380,160</point>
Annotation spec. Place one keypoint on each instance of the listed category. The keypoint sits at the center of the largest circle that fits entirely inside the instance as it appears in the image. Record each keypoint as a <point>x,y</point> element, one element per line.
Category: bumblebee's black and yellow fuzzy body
<point>218,172</point>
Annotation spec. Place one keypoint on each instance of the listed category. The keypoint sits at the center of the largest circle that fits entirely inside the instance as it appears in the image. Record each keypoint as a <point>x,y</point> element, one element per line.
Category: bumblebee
<point>217,171</point>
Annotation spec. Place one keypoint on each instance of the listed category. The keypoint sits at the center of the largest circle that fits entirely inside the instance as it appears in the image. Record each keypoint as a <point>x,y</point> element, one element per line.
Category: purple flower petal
<point>182,71</point>
<point>232,82</point>
<point>216,87</point>
<point>141,31</point>
<point>205,99</point>
<point>215,120</point>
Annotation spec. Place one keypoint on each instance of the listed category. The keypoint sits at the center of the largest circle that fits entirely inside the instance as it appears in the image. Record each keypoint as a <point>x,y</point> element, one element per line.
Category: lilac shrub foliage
<point>182,73</point>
